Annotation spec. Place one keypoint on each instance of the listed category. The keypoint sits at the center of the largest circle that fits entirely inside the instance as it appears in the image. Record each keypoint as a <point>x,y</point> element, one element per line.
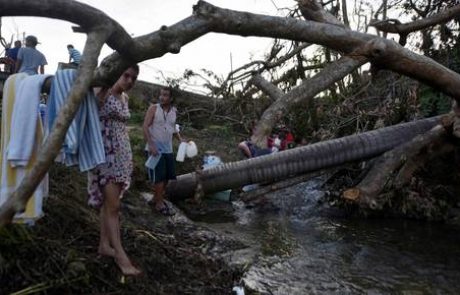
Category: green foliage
<point>137,108</point>
<point>137,104</point>
<point>139,177</point>
<point>218,130</point>
<point>137,137</point>
<point>433,102</point>
<point>303,120</point>
<point>137,118</point>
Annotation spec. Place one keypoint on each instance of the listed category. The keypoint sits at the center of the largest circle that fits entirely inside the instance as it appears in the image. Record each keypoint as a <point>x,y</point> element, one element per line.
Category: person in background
<point>30,60</point>
<point>250,150</point>
<point>12,55</point>
<point>159,128</point>
<point>287,139</point>
<point>74,55</point>
<point>274,142</point>
<point>108,181</point>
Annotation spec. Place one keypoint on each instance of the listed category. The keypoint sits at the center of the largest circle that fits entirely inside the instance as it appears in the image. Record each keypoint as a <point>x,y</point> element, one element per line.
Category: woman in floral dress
<point>108,181</point>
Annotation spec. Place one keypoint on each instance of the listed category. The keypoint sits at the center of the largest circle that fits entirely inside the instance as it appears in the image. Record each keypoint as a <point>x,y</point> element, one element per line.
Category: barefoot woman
<point>108,181</point>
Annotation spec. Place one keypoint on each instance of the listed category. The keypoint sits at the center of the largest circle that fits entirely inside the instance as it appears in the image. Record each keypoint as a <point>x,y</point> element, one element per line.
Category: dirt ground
<point>59,254</point>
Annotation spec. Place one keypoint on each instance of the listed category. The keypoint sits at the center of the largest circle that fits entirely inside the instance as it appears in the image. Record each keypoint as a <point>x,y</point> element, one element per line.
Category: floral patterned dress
<point>118,167</point>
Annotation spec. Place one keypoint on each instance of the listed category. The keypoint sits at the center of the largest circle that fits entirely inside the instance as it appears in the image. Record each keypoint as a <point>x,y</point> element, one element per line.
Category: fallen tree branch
<point>307,90</point>
<point>385,53</point>
<point>209,18</point>
<point>268,88</point>
<point>366,192</point>
<point>436,149</point>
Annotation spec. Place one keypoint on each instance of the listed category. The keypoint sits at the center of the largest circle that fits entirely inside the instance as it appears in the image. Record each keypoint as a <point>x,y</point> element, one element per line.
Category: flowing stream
<point>303,247</point>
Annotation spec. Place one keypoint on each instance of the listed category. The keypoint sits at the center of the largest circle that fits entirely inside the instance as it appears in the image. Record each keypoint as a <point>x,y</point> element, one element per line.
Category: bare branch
<point>288,74</point>
<point>395,26</point>
<point>312,10</point>
<point>307,90</point>
<point>345,13</point>
<point>268,88</point>
<point>269,65</point>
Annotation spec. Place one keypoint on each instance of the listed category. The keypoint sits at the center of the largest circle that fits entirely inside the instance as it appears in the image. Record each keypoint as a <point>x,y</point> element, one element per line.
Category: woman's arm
<point>148,121</point>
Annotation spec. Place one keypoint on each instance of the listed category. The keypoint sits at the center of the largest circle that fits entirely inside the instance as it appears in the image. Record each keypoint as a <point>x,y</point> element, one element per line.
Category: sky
<point>139,17</point>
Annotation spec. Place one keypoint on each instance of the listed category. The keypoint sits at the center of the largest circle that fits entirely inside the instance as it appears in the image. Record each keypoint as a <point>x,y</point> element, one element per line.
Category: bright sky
<point>140,17</point>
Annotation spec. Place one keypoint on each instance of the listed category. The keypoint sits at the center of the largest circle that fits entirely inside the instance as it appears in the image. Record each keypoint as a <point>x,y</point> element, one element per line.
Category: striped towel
<point>11,177</point>
<point>83,142</point>
<point>24,120</point>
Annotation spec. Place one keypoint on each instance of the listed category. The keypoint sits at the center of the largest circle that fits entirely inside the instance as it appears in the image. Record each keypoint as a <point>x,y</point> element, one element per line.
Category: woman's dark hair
<point>134,67</point>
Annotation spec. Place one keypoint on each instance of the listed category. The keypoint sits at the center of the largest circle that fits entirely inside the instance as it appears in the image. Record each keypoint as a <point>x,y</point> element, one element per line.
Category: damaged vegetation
<point>418,179</point>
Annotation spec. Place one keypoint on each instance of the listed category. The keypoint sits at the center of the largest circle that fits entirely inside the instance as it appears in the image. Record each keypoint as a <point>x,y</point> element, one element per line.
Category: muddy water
<point>302,247</point>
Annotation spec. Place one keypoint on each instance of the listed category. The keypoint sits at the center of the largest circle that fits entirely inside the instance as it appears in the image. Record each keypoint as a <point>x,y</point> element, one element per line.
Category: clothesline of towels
<point>23,131</point>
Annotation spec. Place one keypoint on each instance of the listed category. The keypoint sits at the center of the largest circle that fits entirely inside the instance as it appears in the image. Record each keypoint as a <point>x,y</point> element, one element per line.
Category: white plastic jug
<point>238,290</point>
<point>181,152</point>
<point>192,150</point>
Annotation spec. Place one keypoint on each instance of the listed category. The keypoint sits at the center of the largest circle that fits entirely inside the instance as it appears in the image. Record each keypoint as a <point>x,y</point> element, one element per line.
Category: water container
<point>192,150</point>
<point>181,152</point>
<point>237,290</point>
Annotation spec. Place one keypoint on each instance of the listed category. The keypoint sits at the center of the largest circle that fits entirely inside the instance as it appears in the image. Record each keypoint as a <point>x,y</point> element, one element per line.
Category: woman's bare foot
<point>106,251</point>
<point>126,267</point>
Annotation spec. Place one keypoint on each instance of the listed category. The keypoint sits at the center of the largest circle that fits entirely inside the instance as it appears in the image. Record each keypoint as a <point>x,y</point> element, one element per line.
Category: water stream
<point>304,248</point>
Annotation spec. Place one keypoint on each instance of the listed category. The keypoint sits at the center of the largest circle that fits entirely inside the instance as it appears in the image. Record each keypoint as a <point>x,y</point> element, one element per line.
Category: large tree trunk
<point>299,160</point>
